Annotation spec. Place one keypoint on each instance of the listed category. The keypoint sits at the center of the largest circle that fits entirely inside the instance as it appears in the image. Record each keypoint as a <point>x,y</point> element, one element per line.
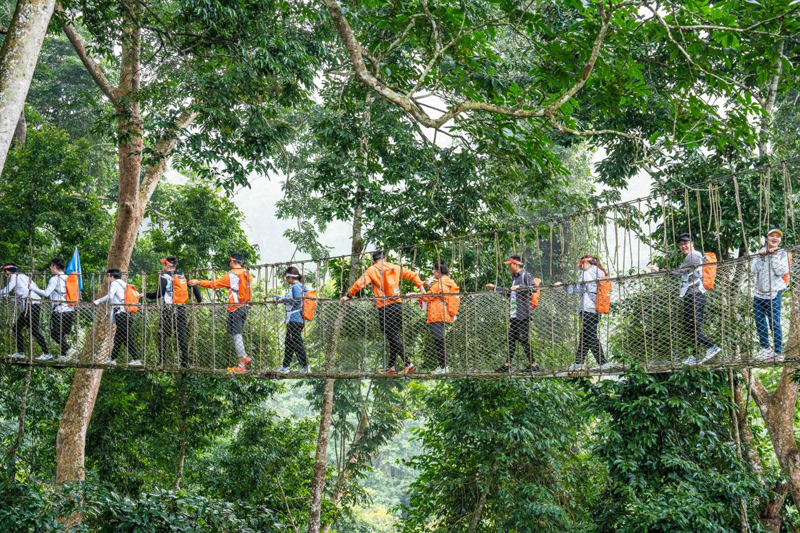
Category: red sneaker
<point>409,368</point>
<point>237,369</point>
<point>246,361</point>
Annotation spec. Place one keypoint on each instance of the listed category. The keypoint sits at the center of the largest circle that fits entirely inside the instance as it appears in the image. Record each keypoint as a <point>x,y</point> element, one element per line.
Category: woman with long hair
<point>295,323</point>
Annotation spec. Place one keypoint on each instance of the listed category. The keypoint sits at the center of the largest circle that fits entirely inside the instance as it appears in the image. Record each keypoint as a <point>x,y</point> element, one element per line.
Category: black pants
<point>519,331</point>
<point>61,328</point>
<point>391,320</point>
<point>693,308</point>
<point>125,335</point>
<point>29,319</point>
<point>437,332</point>
<point>294,344</point>
<point>589,339</point>
<point>173,324</point>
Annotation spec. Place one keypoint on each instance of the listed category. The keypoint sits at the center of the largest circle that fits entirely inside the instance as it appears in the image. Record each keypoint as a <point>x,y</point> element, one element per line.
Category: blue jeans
<point>766,322</point>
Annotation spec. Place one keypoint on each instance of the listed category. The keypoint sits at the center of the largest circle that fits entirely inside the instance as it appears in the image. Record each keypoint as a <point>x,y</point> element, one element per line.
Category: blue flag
<point>74,267</point>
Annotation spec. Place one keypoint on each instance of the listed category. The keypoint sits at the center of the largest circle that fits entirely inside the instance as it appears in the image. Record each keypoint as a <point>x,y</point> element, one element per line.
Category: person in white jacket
<point>62,315</point>
<point>768,268</point>
<point>22,288</point>
<point>125,333</point>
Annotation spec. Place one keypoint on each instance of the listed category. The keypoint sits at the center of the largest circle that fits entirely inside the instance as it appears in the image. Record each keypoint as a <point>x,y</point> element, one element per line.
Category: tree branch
<point>91,65</point>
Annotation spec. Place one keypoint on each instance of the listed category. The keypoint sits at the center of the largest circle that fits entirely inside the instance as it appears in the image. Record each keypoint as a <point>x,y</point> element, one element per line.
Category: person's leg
<point>67,323</point>
<point>383,321</point>
<point>699,312</point>
<point>760,317</point>
<point>299,344</point>
<point>132,339</point>
<point>120,335</point>
<point>182,326</point>
<point>236,320</point>
<point>689,324</point>
<point>590,323</point>
<point>36,331</point>
<point>19,330</point>
<point>525,339</point>
<point>777,330</point>
<point>437,332</point>
<point>288,346</point>
<point>55,329</point>
<point>513,333</point>
<point>163,334</point>
<point>395,330</point>
<point>583,347</point>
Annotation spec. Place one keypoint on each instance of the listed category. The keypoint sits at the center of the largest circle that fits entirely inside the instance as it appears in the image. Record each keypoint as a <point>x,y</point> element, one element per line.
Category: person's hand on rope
<point>193,282</point>
<point>557,284</point>
<point>514,287</point>
<point>653,268</point>
<point>490,286</point>
<point>345,298</point>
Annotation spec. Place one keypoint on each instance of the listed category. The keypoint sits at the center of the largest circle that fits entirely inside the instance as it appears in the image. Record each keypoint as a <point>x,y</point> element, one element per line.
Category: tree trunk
<point>176,484</point>
<point>326,412</point>
<point>770,516</point>
<point>18,58</point>
<point>23,408</point>
<point>71,440</point>
<point>21,131</point>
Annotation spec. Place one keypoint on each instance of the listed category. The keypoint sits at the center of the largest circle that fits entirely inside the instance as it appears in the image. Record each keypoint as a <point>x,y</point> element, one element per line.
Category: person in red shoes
<point>239,283</point>
<point>385,280</point>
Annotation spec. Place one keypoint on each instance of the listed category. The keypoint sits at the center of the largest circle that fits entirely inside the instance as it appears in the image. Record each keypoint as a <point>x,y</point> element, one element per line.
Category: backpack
<point>391,282</point>
<point>709,271</point>
<point>131,299</point>
<point>245,285</point>
<point>786,276</point>
<point>535,295</point>
<point>73,289</point>
<point>180,289</point>
<point>452,305</point>
<point>602,303</point>
<point>309,305</point>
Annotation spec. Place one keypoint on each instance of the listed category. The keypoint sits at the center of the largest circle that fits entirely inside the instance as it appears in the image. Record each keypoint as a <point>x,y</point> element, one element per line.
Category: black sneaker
<point>534,368</point>
<point>504,368</point>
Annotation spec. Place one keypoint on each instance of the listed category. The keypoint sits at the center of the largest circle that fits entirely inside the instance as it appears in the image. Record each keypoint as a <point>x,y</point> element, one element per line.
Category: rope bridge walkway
<point>649,322</point>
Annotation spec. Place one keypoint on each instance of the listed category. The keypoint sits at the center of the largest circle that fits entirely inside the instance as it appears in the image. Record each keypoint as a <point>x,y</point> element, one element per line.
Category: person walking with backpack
<point>295,323</point>
<point>523,285</point>
<point>587,289</point>
<point>693,299</point>
<point>124,301</point>
<point>770,268</point>
<point>24,290</point>
<point>239,284</point>
<point>64,296</point>
<point>172,293</point>
<point>385,280</point>
<point>442,310</point>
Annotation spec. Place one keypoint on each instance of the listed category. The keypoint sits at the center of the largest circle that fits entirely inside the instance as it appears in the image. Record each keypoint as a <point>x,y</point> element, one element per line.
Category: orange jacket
<point>230,281</point>
<point>375,275</point>
<point>442,308</point>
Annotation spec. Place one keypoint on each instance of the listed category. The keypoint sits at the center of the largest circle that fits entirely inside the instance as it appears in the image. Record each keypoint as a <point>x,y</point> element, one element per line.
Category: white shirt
<point>57,292</point>
<point>22,287</point>
<point>116,296</point>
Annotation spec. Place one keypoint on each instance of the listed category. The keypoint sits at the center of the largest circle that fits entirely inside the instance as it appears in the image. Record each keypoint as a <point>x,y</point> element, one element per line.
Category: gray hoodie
<point>768,271</point>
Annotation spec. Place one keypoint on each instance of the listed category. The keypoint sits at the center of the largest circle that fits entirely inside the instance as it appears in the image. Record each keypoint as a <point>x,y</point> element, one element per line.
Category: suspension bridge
<point>646,323</point>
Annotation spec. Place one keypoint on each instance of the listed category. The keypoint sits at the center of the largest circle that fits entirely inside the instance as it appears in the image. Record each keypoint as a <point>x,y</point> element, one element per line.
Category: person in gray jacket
<point>769,267</point>
<point>693,299</point>
<point>519,294</point>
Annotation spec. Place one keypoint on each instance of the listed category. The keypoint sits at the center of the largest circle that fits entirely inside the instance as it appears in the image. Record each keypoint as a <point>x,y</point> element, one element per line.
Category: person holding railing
<point>24,290</point>
<point>385,279</point>
<point>770,268</point>
<point>587,287</point>
<point>523,284</point>
<point>124,301</point>
<point>295,323</point>
<point>442,310</point>
<point>693,299</point>
<point>62,310</point>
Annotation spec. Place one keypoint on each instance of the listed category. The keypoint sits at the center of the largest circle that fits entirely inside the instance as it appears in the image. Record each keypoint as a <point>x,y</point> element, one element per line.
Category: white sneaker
<point>766,354</point>
<point>44,357</point>
<point>135,362</point>
<point>306,369</point>
<point>72,352</point>
<point>440,370</point>
<point>691,361</point>
<point>777,357</point>
<point>711,352</point>
<point>608,365</point>
<point>18,355</point>
<point>284,370</point>
<point>575,367</point>
<point>111,362</point>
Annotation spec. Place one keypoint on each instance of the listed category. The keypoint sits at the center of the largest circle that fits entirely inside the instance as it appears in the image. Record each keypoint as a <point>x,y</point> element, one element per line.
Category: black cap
<point>239,258</point>
<point>685,237</point>
<point>378,255</point>
<point>114,273</point>
<point>10,268</point>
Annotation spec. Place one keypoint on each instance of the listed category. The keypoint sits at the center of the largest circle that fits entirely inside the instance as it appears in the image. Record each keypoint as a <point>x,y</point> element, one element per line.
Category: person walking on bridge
<point>171,294</point>
<point>24,289</point>
<point>519,295</point>
<point>239,283</point>
<point>62,310</point>
<point>385,279</point>
<point>295,323</point>
<point>693,299</point>
<point>770,268</point>
<point>123,299</point>
<point>442,310</point>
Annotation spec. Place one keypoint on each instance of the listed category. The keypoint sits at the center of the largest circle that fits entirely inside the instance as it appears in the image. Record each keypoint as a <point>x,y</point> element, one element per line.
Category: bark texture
<point>18,58</point>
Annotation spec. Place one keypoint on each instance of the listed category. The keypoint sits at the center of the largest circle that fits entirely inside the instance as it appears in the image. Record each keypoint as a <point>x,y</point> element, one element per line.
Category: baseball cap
<point>513,260</point>
<point>685,237</point>
<point>775,230</point>
<point>169,260</point>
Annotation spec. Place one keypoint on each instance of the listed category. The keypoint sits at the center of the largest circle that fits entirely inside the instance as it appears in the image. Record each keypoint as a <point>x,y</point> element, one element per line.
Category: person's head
<point>236,260</point>
<point>514,264</point>
<point>292,275</point>
<point>377,255</point>
<point>10,269</point>
<point>114,273</point>
<point>588,261</point>
<point>57,266</point>
<point>440,270</point>
<point>774,238</point>
<point>169,263</point>
<point>685,244</point>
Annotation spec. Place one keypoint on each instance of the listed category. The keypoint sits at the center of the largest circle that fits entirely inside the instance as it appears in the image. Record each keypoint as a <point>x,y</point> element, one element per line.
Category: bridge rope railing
<point>648,323</point>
